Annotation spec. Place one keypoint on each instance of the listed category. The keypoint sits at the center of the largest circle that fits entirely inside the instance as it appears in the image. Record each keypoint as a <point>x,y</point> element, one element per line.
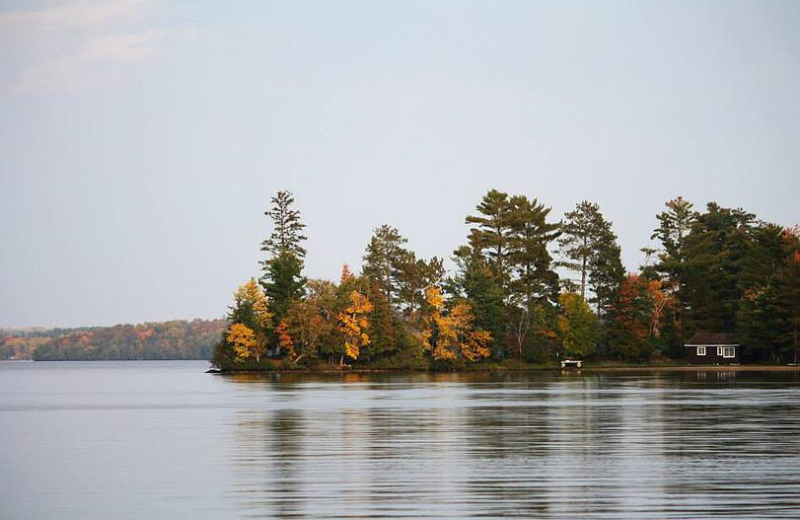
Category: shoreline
<point>620,368</point>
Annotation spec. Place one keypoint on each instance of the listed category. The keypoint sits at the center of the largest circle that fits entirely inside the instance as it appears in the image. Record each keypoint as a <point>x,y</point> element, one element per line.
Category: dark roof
<point>713,338</point>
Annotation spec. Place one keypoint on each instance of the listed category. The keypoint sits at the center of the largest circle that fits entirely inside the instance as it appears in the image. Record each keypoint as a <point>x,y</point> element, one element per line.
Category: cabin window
<point>719,351</point>
<point>728,352</point>
<point>701,351</point>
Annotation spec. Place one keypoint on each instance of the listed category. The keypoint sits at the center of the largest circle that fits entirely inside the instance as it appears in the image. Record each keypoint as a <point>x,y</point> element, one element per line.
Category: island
<point>526,290</point>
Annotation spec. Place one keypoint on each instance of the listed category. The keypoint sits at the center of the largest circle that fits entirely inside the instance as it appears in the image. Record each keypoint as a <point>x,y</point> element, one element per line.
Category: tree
<point>476,282</point>
<point>282,280</point>
<point>769,314</point>
<point>353,324</point>
<point>533,281</point>
<point>384,253</point>
<point>283,283</point>
<point>243,341</point>
<point>582,232</point>
<point>577,326</point>
<point>675,224</point>
<point>607,272</point>
<point>630,321</point>
<point>251,308</point>
<point>589,246</point>
<point>489,235</point>
<point>309,324</point>
<point>713,255</point>
<point>287,233</point>
<point>448,335</point>
<point>414,275</point>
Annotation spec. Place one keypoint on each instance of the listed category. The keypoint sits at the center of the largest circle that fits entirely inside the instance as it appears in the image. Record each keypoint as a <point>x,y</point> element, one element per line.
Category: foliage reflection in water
<point>654,445</point>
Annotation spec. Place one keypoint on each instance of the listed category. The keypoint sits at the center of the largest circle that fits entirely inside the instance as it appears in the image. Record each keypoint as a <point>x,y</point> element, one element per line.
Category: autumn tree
<point>252,317</point>
<point>630,321</point>
<point>353,324</point>
<point>243,342</point>
<point>577,326</point>
<point>308,327</point>
<point>251,308</point>
<point>449,335</point>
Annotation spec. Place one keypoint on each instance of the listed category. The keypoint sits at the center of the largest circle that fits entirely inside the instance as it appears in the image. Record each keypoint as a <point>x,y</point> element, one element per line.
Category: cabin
<point>713,348</point>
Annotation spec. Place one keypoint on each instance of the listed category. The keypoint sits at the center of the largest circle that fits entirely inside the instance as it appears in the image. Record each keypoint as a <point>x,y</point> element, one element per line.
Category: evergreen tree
<point>769,315</point>
<point>282,280</point>
<point>533,283</point>
<point>582,234</point>
<point>478,284</point>
<point>589,246</point>
<point>489,235</point>
<point>713,256</point>
<point>287,233</point>
<point>413,277</point>
<point>384,254</point>
<point>607,272</point>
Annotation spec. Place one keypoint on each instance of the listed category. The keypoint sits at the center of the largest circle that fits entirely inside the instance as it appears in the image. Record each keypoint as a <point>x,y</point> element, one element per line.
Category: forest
<point>168,340</point>
<point>528,288</point>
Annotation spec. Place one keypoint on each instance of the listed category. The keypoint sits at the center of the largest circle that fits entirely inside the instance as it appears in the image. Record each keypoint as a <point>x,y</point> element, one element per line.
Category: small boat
<point>570,363</point>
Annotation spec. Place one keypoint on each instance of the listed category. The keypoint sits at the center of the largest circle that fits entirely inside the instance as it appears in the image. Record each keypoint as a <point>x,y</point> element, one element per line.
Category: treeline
<point>169,340</point>
<point>527,288</point>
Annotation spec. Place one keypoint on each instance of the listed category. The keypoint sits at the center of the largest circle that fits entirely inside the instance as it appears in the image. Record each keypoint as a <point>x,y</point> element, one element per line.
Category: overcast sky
<point>140,141</point>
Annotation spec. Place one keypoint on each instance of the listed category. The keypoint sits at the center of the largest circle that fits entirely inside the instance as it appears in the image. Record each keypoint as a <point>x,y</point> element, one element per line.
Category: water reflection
<point>549,445</point>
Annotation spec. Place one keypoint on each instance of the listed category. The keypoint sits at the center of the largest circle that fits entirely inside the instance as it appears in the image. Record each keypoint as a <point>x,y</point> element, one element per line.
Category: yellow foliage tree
<point>353,324</point>
<point>251,306</point>
<point>242,339</point>
<point>447,335</point>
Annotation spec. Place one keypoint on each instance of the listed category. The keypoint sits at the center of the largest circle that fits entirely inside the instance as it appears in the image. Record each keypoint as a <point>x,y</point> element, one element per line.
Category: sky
<point>141,140</point>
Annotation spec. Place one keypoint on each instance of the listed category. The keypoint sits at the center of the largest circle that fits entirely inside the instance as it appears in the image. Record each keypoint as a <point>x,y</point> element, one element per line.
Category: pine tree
<point>489,235</point>
<point>282,280</point>
<point>584,235</point>
<point>479,285</point>
<point>533,283</point>
<point>287,233</point>
<point>713,256</point>
<point>382,260</point>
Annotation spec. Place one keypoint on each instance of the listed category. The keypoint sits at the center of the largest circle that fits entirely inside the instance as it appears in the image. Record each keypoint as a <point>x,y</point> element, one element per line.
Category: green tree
<point>282,280</point>
<point>382,260</point>
<point>607,272</point>
<point>582,234</point>
<point>713,255</point>
<point>490,230</point>
<point>577,326</point>
<point>533,281</point>
<point>479,285</point>
<point>287,233</point>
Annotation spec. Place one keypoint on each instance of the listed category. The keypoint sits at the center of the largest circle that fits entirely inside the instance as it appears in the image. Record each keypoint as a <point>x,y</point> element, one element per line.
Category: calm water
<point>164,440</point>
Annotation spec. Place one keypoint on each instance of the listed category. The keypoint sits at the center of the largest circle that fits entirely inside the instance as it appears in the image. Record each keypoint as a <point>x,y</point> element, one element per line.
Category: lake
<point>138,440</point>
